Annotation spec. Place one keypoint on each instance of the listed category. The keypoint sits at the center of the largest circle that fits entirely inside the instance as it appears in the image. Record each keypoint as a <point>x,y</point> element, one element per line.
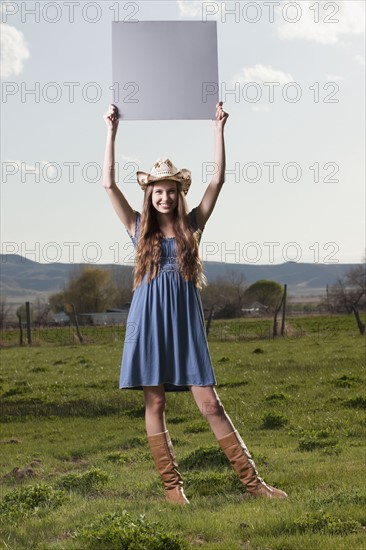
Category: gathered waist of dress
<point>169,263</point>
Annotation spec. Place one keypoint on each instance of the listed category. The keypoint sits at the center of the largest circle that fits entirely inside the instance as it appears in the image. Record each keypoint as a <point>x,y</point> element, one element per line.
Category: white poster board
<point>165,70</point>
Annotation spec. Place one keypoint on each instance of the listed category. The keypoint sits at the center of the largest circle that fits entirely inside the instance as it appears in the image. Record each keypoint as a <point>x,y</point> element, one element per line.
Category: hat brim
<point>183,177</point>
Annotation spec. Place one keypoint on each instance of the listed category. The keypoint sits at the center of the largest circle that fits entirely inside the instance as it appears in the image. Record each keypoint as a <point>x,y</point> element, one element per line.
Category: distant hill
<point>22,279</point>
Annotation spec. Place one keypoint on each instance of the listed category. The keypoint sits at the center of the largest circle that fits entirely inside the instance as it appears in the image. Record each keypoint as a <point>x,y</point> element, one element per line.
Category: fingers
<point>220,113</point>
<point>112,115</point>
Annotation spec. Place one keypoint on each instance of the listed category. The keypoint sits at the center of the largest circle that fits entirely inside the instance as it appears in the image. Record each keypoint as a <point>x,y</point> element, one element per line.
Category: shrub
<point>273,421</point>
<point>27,501</point>
<point>321,522</point>
<point>117,456</point>
<point>357,403</point>
<point>321,440</point>
<point>209,483</point>
<point>85,482</point>
<point>277,397</point>
<point>177,419</point>
<point>205,457</point>
<point>196,427</point>
<point>345,381</point>
<point>123,532</point>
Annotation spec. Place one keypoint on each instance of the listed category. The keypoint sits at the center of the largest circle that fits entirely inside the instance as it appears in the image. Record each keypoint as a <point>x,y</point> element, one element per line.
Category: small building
<point>61,318</point>
<point>109,317</point>
<point>256,308</point>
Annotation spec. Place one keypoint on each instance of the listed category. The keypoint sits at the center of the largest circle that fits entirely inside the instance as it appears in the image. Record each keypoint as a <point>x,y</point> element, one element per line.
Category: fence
<point>318,327</point>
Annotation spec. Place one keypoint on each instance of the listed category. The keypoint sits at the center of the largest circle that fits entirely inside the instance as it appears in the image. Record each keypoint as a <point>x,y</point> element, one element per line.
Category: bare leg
<point>212,409</point>
<point>231,443</point>
<point>154,409</point>
<point>161,445</point>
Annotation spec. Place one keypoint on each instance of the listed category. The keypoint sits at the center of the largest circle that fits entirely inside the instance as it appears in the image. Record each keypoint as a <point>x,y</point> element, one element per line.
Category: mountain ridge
<point>24,279</point>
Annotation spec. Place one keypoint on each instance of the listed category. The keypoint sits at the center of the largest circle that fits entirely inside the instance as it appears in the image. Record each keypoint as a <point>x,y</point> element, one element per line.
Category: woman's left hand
<point>221,116</point>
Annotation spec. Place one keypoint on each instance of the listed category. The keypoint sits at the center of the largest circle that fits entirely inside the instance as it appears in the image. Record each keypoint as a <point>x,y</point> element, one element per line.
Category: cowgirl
<point>165,346</point>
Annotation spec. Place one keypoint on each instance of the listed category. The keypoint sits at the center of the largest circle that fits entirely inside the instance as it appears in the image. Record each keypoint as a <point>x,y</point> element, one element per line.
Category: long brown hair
<point>150,239</point>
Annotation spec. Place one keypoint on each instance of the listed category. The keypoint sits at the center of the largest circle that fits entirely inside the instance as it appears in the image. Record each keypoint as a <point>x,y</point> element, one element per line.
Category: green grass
<point>75,463</point>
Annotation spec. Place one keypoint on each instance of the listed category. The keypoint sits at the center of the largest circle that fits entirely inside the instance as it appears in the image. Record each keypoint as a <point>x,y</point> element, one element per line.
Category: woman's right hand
<point>111,118</point>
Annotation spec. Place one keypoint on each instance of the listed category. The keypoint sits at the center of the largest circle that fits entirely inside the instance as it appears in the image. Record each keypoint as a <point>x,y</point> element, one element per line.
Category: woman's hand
<point>221,116</point>
<point>111,118</point>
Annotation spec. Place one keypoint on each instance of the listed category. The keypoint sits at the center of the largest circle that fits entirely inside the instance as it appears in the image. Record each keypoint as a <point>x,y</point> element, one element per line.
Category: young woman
<point>165,347</point>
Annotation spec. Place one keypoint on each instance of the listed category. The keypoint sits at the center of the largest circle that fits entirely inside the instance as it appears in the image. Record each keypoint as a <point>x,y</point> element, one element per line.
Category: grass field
<point>77,473</point>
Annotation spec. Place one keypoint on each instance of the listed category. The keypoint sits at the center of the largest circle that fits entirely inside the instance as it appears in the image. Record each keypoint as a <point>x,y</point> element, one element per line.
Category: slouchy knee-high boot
<point>163,454</point>
<point>240,459</point>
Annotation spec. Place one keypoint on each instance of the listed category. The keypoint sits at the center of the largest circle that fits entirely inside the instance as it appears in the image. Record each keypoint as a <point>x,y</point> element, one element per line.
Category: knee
<point>212,408</point>
<point>156,404</point>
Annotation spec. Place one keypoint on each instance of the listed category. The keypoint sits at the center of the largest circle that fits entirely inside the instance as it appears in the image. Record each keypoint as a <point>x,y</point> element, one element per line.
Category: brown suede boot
<point>163,454</point>
<point>240,459</point>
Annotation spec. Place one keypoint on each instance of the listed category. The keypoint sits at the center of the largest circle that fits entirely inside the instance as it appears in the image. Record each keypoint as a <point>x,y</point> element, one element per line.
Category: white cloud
<point>332,23</point>
<point>205,10</point>
<point>360,59</point>
<point>190,9</point>
<point>261,73</point>
<point>333,77</point>
<point>14,51</point>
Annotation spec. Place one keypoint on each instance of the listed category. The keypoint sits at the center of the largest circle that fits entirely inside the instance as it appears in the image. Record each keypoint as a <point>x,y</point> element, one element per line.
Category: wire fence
<point>318,327</point>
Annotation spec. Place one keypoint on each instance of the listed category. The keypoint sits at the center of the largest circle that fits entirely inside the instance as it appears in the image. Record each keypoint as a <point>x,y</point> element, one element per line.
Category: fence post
<point>20,328</point>
<point>284,310</point>
<point>209,320</point>
<point>277,310</point>
<point>28,319</point>
<point>76,324</point>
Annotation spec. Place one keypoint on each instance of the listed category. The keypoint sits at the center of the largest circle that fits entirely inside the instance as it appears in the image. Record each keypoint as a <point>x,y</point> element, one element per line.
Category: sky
<point>292,80</point>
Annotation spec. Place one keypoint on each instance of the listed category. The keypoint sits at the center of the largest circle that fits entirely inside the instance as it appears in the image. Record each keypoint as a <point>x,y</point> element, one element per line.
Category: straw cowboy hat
<point>164,169</point>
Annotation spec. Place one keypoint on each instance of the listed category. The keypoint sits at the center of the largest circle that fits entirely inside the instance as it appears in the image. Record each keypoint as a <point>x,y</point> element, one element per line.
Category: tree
<point>225,295</point>
<point>4,311</point>
<point>123,280</point>
<point>57,301</point>
<point>348,294</point>
<point>41,311</point>
<point>21,311</point>
<point>265,292</point>
<point>91,291</point>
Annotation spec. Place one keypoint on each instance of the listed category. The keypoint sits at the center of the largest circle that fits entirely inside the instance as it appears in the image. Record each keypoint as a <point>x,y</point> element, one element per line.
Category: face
<point>165,196</point>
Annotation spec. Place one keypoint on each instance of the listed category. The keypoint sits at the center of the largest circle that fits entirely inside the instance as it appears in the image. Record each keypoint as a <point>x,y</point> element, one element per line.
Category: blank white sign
<point>165,70</point>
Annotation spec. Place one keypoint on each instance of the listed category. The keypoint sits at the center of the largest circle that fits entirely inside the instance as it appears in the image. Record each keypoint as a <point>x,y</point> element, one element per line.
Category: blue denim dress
<point>165,341</point>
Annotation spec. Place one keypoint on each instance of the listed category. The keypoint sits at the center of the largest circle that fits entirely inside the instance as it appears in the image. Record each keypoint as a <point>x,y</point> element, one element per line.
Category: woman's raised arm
<point>119,202</point>
<point>207,204</point>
